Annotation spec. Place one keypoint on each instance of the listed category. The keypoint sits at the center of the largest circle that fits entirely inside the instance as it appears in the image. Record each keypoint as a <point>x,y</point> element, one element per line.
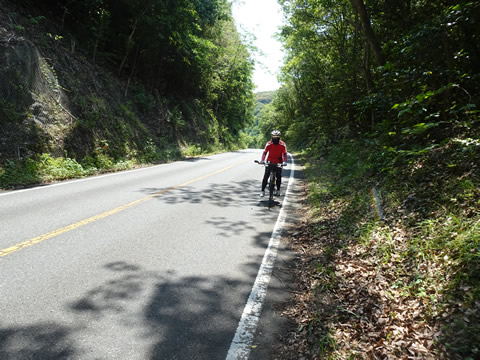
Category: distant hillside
<point>262,99</point>
<point>256,135</point>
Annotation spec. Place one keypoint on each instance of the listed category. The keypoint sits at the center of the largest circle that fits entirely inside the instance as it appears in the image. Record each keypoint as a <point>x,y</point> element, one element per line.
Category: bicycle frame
<point>272,180</point>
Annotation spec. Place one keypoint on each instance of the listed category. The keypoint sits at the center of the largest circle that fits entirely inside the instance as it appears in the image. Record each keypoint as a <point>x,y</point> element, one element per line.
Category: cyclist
<point>277,153</point>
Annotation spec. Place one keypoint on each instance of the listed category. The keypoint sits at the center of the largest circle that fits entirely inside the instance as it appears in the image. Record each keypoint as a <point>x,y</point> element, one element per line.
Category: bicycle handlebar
<point>266,163</point>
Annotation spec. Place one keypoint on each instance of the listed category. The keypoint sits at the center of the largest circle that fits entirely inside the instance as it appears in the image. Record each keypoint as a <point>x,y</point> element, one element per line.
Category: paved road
<point>155,263</point>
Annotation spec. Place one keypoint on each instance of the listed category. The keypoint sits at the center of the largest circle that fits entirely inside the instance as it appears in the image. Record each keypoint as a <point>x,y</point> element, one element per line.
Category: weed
<point>429,246</point>
<point>144,101</point>
<point>328,279</point>
<point>37,20</point>
<point>176,118</point>
<point>192,150</point>
<point>326,342</point>
<point>18,28</point>
<point>59,168</point>
<point>13,173</point>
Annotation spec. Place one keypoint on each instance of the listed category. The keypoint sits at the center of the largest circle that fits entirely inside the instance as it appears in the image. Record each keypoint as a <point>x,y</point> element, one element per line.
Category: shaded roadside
<point>363,288</point>
<point>273,326</point>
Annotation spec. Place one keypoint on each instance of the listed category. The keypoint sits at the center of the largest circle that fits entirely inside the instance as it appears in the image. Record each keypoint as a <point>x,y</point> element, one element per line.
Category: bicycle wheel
<point>271,189</point>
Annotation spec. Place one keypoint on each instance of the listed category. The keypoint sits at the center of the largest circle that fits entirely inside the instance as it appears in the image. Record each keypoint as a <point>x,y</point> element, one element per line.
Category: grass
<point>44,167</point>
<point>429,245</point>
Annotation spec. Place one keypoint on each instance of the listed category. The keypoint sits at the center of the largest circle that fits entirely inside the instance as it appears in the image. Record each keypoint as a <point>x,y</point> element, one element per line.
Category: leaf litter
<point>349,302</point>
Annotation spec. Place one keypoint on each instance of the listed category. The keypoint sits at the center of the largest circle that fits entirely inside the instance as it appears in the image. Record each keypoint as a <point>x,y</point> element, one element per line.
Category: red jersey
<point>276,153</point>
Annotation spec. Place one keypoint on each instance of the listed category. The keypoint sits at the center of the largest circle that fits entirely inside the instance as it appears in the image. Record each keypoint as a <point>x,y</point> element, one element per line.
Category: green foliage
<point>187,53</point>
<point>144,100</point>
<point>13,173</point>
<point>55,37</point>
<point>192,150</point>
<point>426,88</point>
<point>176,118</point>
<point>45,168</point>
<point>161,151</point>
<point>37,20</point>
<point>428,243</point>
<point>60,168</point>
<point>18,28</point>
<point>103,161</point>
<point>9,112</point>
<point>262,99</point>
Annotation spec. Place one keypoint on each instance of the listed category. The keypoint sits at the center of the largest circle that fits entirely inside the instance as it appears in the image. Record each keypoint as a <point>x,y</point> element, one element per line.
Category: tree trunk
<point>95,47</point>
<point>129,47</point>
<point>65,13</point>
<point>130,37</point>
<point>132,73</point>
<point>359,6</point>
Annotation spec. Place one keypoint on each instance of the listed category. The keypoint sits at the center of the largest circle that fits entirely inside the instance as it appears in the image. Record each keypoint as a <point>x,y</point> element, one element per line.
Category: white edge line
<point>243,339</point>
<point>88,178</point>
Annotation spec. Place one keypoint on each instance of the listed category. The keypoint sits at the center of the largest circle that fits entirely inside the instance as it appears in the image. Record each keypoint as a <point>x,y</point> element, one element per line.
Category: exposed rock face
<point>18,69</point>
<point>55,100</point>
<point>30,95</point>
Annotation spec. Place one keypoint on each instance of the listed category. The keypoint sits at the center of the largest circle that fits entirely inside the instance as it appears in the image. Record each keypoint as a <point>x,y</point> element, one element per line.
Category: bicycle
<point>272,181</point>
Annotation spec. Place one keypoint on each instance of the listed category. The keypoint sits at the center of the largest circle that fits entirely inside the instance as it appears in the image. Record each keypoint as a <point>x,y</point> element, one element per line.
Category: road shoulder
<point>273,326</point>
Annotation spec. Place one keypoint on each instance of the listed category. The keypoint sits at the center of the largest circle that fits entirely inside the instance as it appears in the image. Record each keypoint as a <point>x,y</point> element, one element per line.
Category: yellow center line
<point>89,220</point>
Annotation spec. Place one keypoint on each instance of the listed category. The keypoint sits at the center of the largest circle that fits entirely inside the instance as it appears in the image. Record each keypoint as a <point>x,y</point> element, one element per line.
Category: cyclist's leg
<point>265,177</point>
<point>279,177</point>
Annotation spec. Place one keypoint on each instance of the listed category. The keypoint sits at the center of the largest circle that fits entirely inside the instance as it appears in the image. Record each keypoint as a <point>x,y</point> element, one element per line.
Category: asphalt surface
<point>155,263</point>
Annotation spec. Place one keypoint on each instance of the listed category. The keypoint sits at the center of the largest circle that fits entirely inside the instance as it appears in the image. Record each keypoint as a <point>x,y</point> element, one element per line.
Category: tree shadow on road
<point>166,316</point>
<point>45,341</point>
<point>223,195</point>
<point>228,227</point>
<point>174,317</point>
<point>189,317</point>
<point>235,194</point>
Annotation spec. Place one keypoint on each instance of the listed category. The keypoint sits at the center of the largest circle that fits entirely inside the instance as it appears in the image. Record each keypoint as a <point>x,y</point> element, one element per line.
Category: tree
<point>186,50</point>
<point>410,100</point>
<point>359,6</point>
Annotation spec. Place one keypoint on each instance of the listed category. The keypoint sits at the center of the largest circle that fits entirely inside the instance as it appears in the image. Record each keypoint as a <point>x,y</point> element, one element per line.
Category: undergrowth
<point>44,168</point>
<point>427,245</point>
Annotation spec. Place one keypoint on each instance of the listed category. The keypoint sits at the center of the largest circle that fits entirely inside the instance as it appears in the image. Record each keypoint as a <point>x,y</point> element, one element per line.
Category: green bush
<point>144,100</point>
<point>59,168</point>
<point>192,150</point>
<point>14,173</point>
<point>104,162</point>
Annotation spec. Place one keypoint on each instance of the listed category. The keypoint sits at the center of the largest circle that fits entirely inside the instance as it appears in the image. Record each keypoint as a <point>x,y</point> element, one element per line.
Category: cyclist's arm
<point>265,152</point>
<point>285,154</point>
